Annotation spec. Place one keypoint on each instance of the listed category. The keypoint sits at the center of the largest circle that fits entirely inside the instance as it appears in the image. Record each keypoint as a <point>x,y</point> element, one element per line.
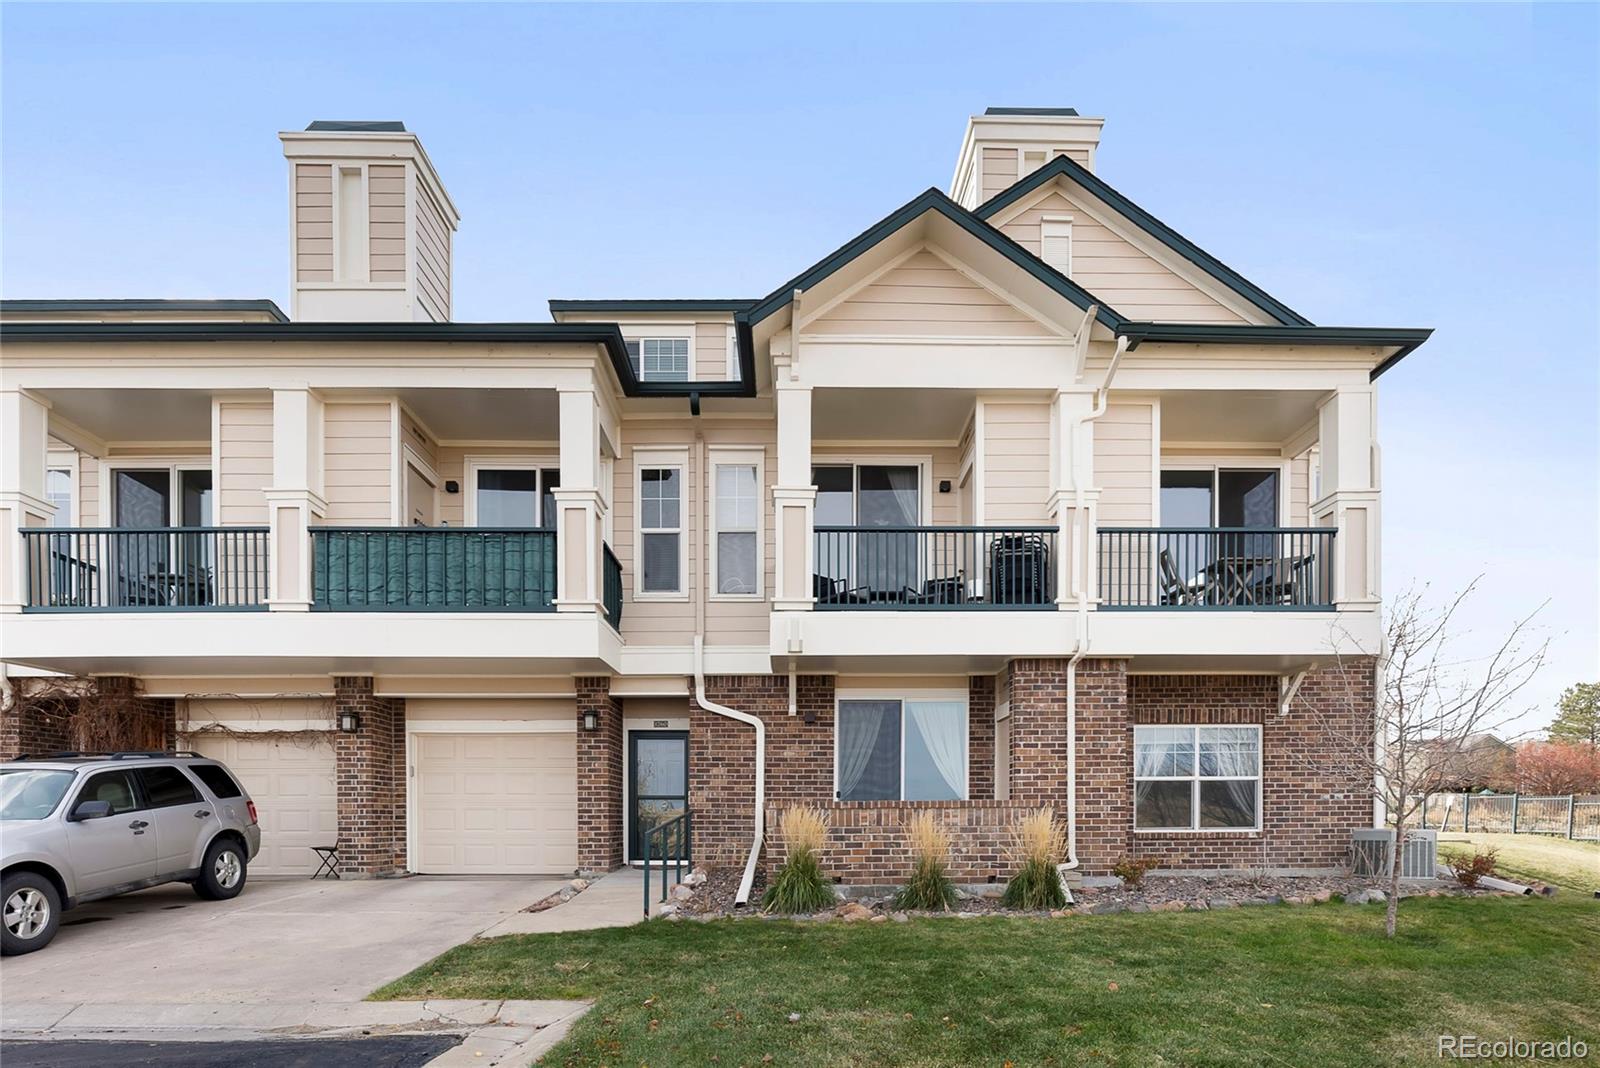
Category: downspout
<point>1080,641</point>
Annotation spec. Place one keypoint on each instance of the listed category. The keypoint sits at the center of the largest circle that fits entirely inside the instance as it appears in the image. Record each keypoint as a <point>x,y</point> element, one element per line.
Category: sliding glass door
<point>869,565</point>
<point>1212,567</point>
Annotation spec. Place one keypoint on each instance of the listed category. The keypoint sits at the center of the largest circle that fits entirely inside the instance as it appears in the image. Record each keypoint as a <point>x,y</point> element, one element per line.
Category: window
<point>58,490</point>
<point>165,786</point>
<point>660,359</point>
<point>31,793</point>
<point>1219,497</point>
<point>1055,242</point>
<point>1196,778</point>
<point>515,497</point>
<point>894,749</point>
<point>736,520</point>
<point>869,495</point>
<point>661,529</point>
<point>218,781</point>
<point>113,786</point>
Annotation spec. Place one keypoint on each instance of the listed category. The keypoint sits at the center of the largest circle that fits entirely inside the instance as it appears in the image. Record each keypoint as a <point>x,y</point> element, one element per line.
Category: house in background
<point>1017,498</point>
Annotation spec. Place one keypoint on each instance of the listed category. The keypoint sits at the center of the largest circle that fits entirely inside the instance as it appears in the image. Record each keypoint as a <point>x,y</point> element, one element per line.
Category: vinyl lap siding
<point>359,461</point>
<point>999,171</point>
<point>1016,461</point>
<point>386,219</point>
<point>1124,465</point>
<point>711,352</point>
<point>926,296</point>
<point>313,220</point>
<point>433,257</point>
<point>244,459</point>
<point>1114,270</point>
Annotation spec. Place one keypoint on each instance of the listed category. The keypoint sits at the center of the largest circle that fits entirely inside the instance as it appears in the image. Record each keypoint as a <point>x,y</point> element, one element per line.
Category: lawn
<point>1278,985</point>
<point>1524,857</point>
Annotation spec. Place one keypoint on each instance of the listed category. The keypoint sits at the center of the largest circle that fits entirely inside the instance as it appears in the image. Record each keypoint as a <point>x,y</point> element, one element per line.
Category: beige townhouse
<point>1017,498</point>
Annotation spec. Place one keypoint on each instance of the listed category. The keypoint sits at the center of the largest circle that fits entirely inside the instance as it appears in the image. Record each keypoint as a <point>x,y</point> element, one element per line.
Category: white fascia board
<point>985,363</point>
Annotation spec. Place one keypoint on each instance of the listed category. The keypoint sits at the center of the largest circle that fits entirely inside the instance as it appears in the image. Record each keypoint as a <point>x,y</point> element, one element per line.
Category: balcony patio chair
<point>1276,581</point>
<point>829,590</point>
<point>1174,588</point>
<point>950,589</point>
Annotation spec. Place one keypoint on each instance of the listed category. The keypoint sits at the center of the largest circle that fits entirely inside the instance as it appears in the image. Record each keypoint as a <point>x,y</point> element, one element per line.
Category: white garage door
<point>496,804</point>
<point>291,782</point>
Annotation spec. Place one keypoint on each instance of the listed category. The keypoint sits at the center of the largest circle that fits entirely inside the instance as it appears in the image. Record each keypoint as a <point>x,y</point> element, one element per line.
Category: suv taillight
<point>251,805</point>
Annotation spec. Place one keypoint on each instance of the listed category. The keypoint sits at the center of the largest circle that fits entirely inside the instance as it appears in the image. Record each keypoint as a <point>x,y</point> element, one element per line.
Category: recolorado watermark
<point>1476,1048</point>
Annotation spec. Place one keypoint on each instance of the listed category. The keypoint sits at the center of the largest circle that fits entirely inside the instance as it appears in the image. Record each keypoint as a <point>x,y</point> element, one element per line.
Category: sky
<point>1393,165</point>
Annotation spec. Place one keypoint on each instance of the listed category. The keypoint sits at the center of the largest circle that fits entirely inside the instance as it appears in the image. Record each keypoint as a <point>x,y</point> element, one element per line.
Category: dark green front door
<point>658,784</point>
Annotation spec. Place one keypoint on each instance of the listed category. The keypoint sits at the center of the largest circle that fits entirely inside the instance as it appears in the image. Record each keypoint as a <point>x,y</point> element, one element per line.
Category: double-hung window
<point>901,749</point>
<point>1196,778</point>
<point>736,521</point>
<point>660,359</point>
<point>661,526</point>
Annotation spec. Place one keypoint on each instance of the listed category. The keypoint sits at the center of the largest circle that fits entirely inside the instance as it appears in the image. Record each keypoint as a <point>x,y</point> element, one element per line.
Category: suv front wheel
<point>32,912</point>
<point>222,872</point>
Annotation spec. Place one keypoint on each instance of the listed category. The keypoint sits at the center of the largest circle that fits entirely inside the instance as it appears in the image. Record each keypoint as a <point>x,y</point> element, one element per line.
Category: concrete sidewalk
<point>615,899</point>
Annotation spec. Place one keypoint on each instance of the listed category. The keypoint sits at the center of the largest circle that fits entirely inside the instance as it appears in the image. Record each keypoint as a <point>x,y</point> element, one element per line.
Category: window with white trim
<point>901,749</point>
<point>1055,242</point>
<point>58,491</point>
<point>1196,778</point>
<point>736,523</point>
<point>660,359</point>
<point>660,556</point>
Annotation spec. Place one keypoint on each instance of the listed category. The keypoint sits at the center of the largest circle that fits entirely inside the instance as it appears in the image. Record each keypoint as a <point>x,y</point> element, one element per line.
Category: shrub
<point>930,886</point>
<point>1131,870</point>
<point>1468,868</point>
<point>800,885</point>
<point>1037,844</point>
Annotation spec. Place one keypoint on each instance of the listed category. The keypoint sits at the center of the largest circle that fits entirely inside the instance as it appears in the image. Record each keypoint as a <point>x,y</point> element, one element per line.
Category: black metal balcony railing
<point>106,569</point>
<point>433,569</point>
<point>1211,568</point>
<point>611,594</point>
<point>942,568</point>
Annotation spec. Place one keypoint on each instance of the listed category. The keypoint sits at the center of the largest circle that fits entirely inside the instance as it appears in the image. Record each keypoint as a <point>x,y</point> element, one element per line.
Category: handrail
<point>988,566</point>
<point>683,855</point>
<point>611,586</point>
<point>1216,568</point>
<point>432,569</point>
<point>114,569</point>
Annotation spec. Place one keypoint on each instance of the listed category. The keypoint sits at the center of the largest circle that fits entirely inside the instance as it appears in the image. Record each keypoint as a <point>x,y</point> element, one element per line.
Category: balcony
<point>1216,569</point>
<point>179,569</point>
<point>433,569</point>
<point>938,568</point>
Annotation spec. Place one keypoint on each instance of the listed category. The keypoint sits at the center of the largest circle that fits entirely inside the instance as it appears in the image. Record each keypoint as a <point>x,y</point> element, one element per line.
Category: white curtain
<point>1163,751</point>
<point>1230,751</point>
<point>943,729</point>
<point>860,723</point>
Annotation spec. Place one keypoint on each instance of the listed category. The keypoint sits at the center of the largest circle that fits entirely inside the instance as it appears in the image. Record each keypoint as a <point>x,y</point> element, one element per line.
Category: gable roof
<point>1402,339</point>
<point>71,306</point>
<point>935,201</point>
<point>1065,167</point>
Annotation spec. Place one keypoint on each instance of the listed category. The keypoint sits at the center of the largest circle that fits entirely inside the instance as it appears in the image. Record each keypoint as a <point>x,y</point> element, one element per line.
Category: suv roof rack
<point>127,755</point>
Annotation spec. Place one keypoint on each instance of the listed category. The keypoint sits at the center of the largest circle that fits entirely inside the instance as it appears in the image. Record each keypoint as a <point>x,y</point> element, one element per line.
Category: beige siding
<point>711,352</point>
<point>452,467</point>
<point>313,205</point>
<point>999,171</point>
<point>88,491</point>
<point>1114,270</point>
<point>386,220</point>
<point>926,296</point>
<point>1016,461</point>
<point>244,458</point>
<point>946,507</point>
<point>433,256</point>
<point>1299,492</point>
<point>1124,464</point>
<point>360,463</point>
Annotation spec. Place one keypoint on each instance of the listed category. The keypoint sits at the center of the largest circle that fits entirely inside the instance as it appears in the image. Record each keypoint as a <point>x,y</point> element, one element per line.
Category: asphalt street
<point>397,1051</point>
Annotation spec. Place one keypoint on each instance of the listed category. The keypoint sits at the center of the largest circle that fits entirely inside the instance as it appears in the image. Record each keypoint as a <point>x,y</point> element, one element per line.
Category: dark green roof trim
<point>606,334</point>
<point>1030,111</point>
<point>1062,166</point>
<point>357,126</point>
<point>730,304</point>
<point>1402,339</point>
<point>44,307</point>
<point>934,200</point>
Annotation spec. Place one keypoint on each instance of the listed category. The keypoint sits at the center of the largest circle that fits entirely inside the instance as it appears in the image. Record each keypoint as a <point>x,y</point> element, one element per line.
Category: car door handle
<point>138,825</point>
<point>202,814</point>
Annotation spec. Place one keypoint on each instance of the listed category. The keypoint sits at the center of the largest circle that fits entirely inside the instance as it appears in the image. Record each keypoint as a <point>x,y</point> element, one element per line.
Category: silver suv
<point>78,827</point>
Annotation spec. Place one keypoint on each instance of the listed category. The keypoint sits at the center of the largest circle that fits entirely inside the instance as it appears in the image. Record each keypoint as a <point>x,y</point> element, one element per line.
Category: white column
<point>579,504</point>
<point>1348,497</point>
<point>24,433</point>
<point>1072,465</point>
<point>295,500</point>
<point>794,496</point>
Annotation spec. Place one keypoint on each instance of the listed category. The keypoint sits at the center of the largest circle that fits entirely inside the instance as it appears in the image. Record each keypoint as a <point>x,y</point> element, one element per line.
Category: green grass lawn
<point>1525,857</point>
<point>1278,985</point>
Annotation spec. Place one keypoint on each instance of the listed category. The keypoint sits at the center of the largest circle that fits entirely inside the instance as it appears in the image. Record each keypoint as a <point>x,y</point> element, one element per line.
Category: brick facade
<point>45,726</point>
<point>867,840</point>
<point>600,824</point>
<point>370,780</point>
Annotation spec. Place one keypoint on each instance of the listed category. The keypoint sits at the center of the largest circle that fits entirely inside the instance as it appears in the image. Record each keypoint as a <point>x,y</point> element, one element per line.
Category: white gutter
<point>743,896</point>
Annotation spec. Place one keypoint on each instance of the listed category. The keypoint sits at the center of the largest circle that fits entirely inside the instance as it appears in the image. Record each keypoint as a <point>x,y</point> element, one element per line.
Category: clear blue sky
<point>1380,165</point>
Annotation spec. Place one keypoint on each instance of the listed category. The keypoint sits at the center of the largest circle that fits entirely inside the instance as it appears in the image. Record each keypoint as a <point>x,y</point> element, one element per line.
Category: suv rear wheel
<point>222,872</point>
<point>32,912</point>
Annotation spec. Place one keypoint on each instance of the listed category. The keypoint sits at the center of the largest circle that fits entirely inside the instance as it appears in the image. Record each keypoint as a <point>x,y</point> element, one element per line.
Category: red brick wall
<point>1105,763</point>
<point>369,778</point>
<point>33,727</point>
<point>1039,732</point>
<point>867,840</point>
<point>45,726</point>
<point>600,825</point>
<point>980,737</point>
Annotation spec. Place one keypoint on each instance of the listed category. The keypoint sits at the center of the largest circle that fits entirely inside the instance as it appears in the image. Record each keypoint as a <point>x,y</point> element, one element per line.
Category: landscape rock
<point>853,912</point>
<point>1357,898</point>
<point>682,893</point>
<point>900,917</point>
<point>1376,897</point>
<point>1220,903</point>
<point>1322,897</point>
<point>878,917</point>
<point>579,885</point>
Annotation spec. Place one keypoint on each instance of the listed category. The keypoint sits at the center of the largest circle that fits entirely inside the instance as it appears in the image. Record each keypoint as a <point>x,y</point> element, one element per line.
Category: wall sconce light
<point>452,486</point>
<point>349,722</point>
<point>590,721</point>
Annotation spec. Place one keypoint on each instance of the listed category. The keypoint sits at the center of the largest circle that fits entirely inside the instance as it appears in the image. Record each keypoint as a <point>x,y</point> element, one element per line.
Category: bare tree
<point>1429,710</point>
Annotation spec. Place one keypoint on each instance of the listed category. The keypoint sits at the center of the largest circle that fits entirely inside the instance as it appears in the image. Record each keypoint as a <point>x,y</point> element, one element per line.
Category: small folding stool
<point>329,858</point>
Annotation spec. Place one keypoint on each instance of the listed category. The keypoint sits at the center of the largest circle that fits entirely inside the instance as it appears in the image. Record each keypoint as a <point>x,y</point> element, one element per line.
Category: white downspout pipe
<point>743,896</point>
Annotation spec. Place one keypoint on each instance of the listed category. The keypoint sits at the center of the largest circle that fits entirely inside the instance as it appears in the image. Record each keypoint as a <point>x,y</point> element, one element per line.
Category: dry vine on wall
<point>91,719</point>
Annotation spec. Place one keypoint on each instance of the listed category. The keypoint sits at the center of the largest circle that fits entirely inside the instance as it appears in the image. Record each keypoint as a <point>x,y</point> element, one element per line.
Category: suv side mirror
<point>90,810</point>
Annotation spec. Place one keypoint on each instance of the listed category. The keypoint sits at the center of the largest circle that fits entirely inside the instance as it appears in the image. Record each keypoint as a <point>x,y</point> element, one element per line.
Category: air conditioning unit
<point>1370,846</point>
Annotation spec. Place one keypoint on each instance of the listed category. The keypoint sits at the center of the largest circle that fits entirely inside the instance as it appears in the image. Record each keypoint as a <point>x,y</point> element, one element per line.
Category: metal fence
<point>168,569</point>
<point>1211,568</point>
<point>1575,816</point>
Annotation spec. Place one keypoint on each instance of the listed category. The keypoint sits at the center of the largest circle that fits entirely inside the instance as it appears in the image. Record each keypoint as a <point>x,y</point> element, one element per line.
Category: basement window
<point>901,749</point>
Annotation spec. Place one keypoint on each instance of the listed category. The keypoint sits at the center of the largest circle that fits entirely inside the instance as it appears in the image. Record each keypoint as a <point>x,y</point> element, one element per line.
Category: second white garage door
<point>496,804</point>
<point>291,782</point>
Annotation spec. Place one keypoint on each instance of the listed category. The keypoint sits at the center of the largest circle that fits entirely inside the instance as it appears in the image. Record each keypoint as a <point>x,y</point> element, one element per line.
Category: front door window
<point>658,786</point>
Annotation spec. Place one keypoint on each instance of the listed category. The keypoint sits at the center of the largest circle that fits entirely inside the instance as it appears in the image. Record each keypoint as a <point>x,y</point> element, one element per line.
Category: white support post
<point>1072,487</point>
<point>295,500</point>
<point>24,437</point>
<point>579,503</point>
<point>794,494</point>
<point>1349,495</point>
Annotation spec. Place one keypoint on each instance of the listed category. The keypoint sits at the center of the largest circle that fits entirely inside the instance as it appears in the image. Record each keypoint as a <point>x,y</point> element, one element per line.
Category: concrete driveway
<point>280,940</point>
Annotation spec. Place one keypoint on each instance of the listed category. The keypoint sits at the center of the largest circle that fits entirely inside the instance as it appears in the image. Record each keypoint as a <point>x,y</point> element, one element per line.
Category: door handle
<point>138,825</point>
<point>202,814</point>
